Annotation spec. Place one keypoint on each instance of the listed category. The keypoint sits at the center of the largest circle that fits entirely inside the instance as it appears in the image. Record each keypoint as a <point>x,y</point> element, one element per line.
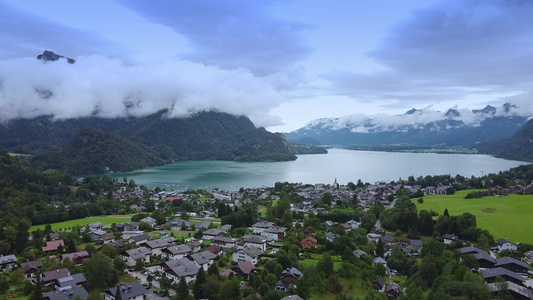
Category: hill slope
<point>144,142</point>
<point>518,147</point>
<point>98,151</point>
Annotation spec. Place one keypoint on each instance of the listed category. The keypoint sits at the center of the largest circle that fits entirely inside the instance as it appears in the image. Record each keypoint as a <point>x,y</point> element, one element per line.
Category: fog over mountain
<point>419,118</point>
<point>100,86</point>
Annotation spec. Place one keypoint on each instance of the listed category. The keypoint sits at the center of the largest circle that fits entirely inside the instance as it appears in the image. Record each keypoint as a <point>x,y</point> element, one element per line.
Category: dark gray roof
<point>471,249</point>
<point>34,264</point>
<point>484,255</point>
<point>499,271</point>
<point>128,291</point>
<point>252,251</point>
<point>181,267</point>
<point>513,287</point>
<point>8,259</point>
<point>69,294</point>
<point>141,237</point>
<point>179,249</point>
<point>509,260</point>
<point>416,243</point>
<point>292,272</point>
<point>72,280</point>
<point>203,257</point>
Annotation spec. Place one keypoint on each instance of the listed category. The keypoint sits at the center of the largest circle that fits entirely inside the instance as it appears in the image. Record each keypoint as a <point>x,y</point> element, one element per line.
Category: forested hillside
<point>133,143</point>
<point>518,147</point>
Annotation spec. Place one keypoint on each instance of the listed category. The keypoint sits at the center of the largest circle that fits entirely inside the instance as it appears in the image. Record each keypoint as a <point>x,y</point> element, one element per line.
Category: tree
<point>37,291</point>
<point>118,295</point>
<point>17,276</point>
<point>325,265</point>
<point>139,264</point>
<point>230,289</point>
<point>183,289</point>
<point>99,270</point>
<point>119,264</point>
<point>380,249</point>
<point>4,284</point>
<point>212,270</point>
<point>198,290</point>
<point>368,221</point>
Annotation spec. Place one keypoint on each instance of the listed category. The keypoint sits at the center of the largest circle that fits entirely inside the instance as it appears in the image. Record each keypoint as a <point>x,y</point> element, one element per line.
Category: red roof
<point>226,272</point>
<point>246,267</point>
<point>213,249</point>
<point>53,245</point>
<point>308,242</point>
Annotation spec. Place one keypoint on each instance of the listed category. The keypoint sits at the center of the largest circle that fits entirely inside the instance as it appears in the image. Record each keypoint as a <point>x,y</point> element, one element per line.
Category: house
<point>257,241</point>
<point>50,277</point>
<point>176,252</point>
<point>379,284</point>
<point>225,242</point>
<point>70,282</point>
<point>106,239</point>
<point>69,294</point>
<point>485,261</point>
<point>8,262</point>
<point>275,232</point>
<point>53,245</point>
<point>528,257</point>
<point>95,226</point>
<point>31,268</point>
<point>308,242</point>
<point>259,227</point>
<point>490,275</point>
<point>250,254</point>
<point>450,239</point>
<point>179,268</point>
<point>393,291</point>
<point>512,264</point>
<point>130,291</point>
<point>506,245</point>
<point>132,255</point>
<point>292,297</point>
<point>178,224</point>
<point>226,272</point>
<point>374,237</point>
<point>77,257</point>
<point>149,220</point>
<point>96,234</point>
<point>203,259</point>
<point>128,234</point>
<point>203,225</point>
<point>139,239</point>
<point>226,228</point>
<point>358,253</point>
<point>213,249</point>
<point>329,224</point>
<point>282,286</point>
<point>389,239</point>
<point>416,245</point>
<point>330,236</point>
<point>244,269</point>
<point>156,246</point>
<point>195,246</point>
<point>471,250</point>
<point>212,233</point>
<point>291,275</point>
<point>516,291</point>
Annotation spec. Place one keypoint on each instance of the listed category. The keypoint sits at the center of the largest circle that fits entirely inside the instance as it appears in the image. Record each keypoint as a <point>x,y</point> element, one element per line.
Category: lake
<point>343,165</point>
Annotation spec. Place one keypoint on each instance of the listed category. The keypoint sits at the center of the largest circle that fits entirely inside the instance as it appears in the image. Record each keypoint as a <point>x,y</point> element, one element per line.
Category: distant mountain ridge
<point>455,127</point>
<point>143,141</point>
<point>518,147</point>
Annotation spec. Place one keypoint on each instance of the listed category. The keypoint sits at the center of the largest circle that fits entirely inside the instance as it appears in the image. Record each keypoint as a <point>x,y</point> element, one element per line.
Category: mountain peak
<point>452,113</point>
<point>51,56</point>
<point>487,110</point>
<point>412,111</point>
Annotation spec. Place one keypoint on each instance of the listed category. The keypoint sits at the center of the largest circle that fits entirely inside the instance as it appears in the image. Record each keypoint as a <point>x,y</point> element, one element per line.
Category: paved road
<point>142,278</point>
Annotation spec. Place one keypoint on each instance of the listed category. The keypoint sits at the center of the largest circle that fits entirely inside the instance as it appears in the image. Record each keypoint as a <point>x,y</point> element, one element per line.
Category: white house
<point>176,252</point>
<point>250,254</point>
<point>131,256</point>
<point>259,227</point>
<point>506,245</point>
<point>203,259</point>
<point>225,242</point>
<point>180,268</point>
<point>275,232</point>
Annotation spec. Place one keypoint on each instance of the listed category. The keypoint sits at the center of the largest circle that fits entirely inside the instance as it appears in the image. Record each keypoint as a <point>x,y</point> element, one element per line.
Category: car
<point>158,292</point>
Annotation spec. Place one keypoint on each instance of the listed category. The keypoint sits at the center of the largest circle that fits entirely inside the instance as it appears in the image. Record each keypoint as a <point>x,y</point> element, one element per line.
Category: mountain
<point>203,136</point>
<point>518,147</point>
<point>51,56</point>
<point>464,128</point>
<point>96,151</point>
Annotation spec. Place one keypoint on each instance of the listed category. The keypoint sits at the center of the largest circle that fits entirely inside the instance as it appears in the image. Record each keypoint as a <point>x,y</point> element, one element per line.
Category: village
<point>163,254</point>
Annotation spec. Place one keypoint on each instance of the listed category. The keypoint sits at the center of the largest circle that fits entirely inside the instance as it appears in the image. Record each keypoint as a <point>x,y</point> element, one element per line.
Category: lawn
<point>504,217</point>
<point>105,220</point>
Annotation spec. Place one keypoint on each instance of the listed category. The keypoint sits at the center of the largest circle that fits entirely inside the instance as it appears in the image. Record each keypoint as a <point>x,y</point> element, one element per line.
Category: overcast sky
<point>281,63</point>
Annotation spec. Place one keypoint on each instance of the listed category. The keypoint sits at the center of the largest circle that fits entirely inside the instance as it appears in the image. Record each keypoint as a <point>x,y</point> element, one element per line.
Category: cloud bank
<point>96,85</point>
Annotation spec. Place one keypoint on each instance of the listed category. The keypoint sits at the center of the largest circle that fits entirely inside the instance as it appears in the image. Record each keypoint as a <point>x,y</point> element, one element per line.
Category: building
<point>203,259</point>
<point>225,242</point>
<point>53,245</point>
<point>512,264</point>
<point>506,245</point>
<point>259,227</point>
<point>276,232</point>
<point>31,268</point>
<point>130,291</point>
<point>70,294</point>
<point>251,254</point>
<point>490,275</point>
<point>131,256</point>
<point>77,257</point>
<point>8,262</point>
<point>179,268</point>
<point>450,239</point>
<point>176,252</point>
<point>244,269</point>
<point>308,242</point>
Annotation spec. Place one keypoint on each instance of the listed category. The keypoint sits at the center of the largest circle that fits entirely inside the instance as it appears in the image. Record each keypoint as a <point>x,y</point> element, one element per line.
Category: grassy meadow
<point>504,217</point>
<point>73,223</point>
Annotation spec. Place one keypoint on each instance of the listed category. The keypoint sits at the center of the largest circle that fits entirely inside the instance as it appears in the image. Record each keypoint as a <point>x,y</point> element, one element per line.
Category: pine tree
<point>37,291</point>
<point>118,295</point>
<point>198,290</point>
<point>183,289</point>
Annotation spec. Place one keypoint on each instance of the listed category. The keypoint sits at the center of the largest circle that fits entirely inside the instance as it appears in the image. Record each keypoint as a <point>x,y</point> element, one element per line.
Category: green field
<point>72,223</point>
<point>504,217</point>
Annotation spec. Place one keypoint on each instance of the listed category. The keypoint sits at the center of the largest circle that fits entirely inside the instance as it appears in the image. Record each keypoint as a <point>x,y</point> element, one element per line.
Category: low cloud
<point>96,85</point>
